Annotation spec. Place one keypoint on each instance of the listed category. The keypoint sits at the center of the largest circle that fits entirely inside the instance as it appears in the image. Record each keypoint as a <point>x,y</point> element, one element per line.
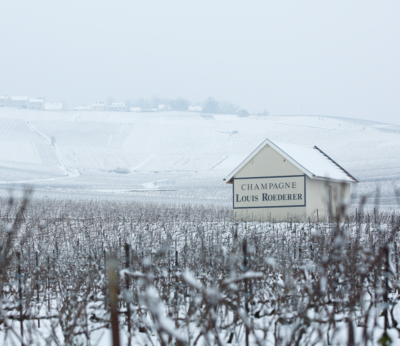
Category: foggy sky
<point>339,58</point>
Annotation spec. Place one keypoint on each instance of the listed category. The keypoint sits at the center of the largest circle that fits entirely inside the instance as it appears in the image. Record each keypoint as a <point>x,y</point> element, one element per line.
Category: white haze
<point>338,58</point>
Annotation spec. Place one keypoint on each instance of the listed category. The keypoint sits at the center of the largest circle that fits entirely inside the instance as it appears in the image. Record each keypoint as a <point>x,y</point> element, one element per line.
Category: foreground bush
<point>91,272</point>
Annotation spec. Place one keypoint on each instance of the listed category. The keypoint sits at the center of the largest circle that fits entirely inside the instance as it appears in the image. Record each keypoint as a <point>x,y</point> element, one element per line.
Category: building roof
<point>4,97</point>
<point>19,98</point>
<point>36,100</point>
<point>53,106</point>
<point>311,161</point>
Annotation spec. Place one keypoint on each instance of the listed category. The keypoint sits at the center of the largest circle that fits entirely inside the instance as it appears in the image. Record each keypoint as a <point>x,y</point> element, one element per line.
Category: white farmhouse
<point>36,103</point>
<point>19,101</point>
<point>280,181</point>
<point>4,101</point>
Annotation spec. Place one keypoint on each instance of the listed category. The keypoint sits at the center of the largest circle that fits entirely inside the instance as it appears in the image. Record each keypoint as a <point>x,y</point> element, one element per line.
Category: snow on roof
<point>53,106</point>
<point>312,161</point>
<point>317,162</point>
<point>4,97</point>
<point>19,98</point>
<point>36,100</point>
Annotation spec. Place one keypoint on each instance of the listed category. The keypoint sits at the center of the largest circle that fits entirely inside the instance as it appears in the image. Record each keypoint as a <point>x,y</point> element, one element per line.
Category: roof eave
<point>329,158</point>
<point>334,180</point>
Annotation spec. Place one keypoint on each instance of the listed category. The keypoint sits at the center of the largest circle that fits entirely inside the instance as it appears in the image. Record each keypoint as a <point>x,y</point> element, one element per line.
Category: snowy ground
<point>177,156</point>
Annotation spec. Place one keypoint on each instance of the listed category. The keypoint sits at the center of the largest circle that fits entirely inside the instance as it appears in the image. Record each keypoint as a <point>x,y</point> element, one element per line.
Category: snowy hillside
<point>174,154</point>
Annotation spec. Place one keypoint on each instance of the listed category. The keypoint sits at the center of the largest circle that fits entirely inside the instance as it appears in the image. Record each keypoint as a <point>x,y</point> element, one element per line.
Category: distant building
<point>164,107</point>
<point>82,108</point>
<point>98,106</point>
<point>195,108</point>
<point>149,110</point>
<point>59,106</point>
<point>19,101</point>
<point>36,103</point>
<point>4,101</point>
<point>135,109</point>
<point>117,107</point>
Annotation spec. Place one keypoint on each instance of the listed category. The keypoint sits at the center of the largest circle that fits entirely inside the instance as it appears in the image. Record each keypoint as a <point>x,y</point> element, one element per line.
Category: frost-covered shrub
<point>189,274</point>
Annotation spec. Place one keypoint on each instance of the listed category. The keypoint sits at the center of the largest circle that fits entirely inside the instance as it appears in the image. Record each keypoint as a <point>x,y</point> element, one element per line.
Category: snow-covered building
<point>135,109</point>
<point>117,107</point>
<point>98,106</point>
<point>4,101</point>
<point>285,182</point>
<point>19,101</point>
<point>195,108</point>
<point>36,103</point>
<point>55,106</point>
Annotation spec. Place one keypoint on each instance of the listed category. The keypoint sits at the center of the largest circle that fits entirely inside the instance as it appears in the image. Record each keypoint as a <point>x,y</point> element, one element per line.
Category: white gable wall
<point>268,163</point>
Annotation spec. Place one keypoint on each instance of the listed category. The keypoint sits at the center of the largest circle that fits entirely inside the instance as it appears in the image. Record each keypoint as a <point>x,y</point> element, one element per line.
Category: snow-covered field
<point>178,156</point>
